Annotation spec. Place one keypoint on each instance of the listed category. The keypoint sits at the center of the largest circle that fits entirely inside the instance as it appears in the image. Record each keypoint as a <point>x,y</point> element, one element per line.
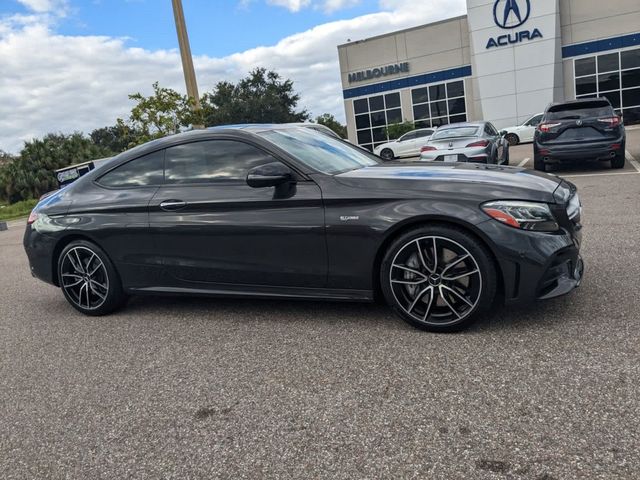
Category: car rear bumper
<point>582,151</point>
<point>476,155</point>
<point>39,248</point>
<point>535,265</point>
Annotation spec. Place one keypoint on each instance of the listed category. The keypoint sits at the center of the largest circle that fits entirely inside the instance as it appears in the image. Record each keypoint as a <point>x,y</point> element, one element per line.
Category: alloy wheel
<point>387,154</point>
<point>435,280</point>
<point>84,278</point>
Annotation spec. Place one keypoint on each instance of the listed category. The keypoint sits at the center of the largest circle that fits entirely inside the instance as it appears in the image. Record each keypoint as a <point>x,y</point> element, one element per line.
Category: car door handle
<point>171,205</point>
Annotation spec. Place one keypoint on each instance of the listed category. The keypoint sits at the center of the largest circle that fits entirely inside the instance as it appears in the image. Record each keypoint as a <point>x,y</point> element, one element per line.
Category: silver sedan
<point>477,142</point>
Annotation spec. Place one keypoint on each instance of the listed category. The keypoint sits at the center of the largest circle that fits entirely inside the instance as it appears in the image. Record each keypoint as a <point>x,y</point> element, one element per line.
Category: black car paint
<point>321,238</point>
<point>580,138</point>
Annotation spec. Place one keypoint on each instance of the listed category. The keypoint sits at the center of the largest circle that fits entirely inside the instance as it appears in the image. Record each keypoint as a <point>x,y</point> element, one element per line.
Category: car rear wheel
<point>438,278</point>
<point>512,138</point>
<point>88,279</point>
<point>538,163</point>
<point>619,160</point>
<point>387,154</point>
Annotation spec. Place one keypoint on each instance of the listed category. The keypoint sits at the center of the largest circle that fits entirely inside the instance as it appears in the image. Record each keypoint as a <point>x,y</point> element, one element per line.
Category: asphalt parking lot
<point>198,388</point>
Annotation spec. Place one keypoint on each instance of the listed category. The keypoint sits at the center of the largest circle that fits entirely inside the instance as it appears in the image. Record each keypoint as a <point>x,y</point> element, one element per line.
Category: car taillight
<point>33,216</point>
<point>611,121</point>
<point>546,127</point>
<point>428,148</point>
<point>479,143</point>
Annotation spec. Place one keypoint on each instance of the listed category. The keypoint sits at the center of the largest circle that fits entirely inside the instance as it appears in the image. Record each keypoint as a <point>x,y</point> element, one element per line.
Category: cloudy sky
<point>68,65</point>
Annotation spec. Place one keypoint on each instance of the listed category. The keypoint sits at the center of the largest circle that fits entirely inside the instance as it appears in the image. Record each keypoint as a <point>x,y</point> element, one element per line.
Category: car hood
<point>485,182</point>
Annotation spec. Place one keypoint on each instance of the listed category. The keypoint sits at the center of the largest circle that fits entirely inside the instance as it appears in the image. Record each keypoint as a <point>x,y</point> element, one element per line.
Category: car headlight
<point>523,215</point>
<point>574,209</point>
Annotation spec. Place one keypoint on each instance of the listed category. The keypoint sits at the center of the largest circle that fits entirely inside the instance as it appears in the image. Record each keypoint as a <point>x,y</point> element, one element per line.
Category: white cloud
<point>57,7</point>
<point>291,5</point>
<point>56,83</point>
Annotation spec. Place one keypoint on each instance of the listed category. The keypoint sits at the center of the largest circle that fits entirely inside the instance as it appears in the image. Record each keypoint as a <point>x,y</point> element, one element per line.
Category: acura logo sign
<point>511,13</point>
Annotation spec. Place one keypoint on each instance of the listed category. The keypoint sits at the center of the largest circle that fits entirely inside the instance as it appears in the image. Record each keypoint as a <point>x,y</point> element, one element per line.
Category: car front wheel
<point>88,279</point>
<point>438,278</point>
<point>513,139</point>
<point>387,154</point>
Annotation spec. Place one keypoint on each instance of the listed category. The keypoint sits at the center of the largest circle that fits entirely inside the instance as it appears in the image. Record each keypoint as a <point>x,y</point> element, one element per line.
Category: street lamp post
<point>187,59</point>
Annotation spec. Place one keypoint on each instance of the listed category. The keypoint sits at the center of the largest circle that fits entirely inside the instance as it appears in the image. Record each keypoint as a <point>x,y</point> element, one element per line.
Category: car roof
<point>462,124</point>
<point>578,101</point>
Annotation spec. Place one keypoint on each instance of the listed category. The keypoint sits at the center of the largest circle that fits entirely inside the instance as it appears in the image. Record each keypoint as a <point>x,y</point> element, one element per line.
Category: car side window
<point>212,161</point>
<point>424,133</point>
<point>492,130</point>
<point>535,121</point>
<point>144,171</point>
<point>408,136</point>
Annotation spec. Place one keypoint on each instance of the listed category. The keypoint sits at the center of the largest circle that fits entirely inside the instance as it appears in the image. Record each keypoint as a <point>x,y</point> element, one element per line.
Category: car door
<point>211,227</point>
<point>406,144</point>
<point>422,137</point>
<point>494,137</point>
<point>529,128</point>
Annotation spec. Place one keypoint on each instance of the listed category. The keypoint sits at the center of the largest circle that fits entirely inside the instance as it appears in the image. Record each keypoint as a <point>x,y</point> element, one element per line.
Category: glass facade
<point>615,76</point>
<point>439,104</point>
<point>373,114</point>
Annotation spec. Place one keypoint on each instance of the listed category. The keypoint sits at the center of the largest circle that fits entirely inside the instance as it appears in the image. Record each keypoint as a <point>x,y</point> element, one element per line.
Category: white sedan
<point>408,145</point>
<point>523,133</point>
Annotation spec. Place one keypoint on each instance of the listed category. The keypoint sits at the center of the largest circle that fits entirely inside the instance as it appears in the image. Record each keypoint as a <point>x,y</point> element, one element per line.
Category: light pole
<point>187,59</point>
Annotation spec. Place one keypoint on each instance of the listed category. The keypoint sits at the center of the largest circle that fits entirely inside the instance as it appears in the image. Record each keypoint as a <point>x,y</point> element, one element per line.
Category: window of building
<point>144,171</point>
<point>373,114</point>
<point>615,76</point>
<point>439,104</point>
<point>212,161</point>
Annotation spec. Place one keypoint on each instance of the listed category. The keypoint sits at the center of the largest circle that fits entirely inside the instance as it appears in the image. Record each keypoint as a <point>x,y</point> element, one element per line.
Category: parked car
<point>281,212</point>
<point>477,142</point>
<point>408,145</point>
<point>523,133</point>
<point>579,130</point>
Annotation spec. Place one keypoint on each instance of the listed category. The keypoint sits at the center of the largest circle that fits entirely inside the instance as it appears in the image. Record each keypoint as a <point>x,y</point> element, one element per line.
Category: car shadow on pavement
<point>353,315</point>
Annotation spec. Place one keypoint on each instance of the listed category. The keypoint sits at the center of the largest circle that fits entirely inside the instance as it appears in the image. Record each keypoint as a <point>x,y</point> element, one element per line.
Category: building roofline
<point>396,32</point>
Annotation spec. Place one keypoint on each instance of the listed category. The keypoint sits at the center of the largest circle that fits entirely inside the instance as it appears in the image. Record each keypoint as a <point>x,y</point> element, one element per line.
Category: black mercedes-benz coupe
<point>287,212</point>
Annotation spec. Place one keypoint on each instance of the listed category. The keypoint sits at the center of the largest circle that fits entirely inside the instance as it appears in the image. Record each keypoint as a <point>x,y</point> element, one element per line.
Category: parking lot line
<point>523,162</point>
<point>603,174</point>
<point>632,160</point>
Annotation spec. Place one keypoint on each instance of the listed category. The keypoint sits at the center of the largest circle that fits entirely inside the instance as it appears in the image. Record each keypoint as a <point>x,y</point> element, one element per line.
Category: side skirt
<point>255,291</point>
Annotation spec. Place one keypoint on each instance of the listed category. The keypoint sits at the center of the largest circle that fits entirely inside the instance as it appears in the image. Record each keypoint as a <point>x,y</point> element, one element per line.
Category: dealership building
<point>504,61</point>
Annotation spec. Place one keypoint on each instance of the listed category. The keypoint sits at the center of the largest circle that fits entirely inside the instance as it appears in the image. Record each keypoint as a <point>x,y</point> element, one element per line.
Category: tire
<point>506,158</point>
<point>538,163</point>
<point>387,154</point>
<point>415,288</point>
<point>618,161</point>
<point>512,138</point>
<point>89,280</point>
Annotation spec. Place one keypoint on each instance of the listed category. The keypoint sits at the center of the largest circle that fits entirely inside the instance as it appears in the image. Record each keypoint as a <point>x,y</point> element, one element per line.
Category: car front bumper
<point>535,265</point>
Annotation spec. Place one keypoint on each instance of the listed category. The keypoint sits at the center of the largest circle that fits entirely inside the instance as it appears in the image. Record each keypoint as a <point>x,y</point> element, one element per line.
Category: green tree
<point>5,158</point>
<point>164,113</point>
<point>262,97</point>
<point>32,173</point>
<point>116,138</point>
<point>329,120</point>
<point>396,130</point>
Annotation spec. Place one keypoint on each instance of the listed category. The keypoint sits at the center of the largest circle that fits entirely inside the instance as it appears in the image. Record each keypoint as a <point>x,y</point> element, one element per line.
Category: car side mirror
<point>503,133</point>
<point>269,175</point>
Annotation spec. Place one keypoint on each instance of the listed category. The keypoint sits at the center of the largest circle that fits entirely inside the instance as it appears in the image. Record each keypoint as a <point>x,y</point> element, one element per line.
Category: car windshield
<point>456,132</point>
<point>319,151</point>
<point>580,110</point>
